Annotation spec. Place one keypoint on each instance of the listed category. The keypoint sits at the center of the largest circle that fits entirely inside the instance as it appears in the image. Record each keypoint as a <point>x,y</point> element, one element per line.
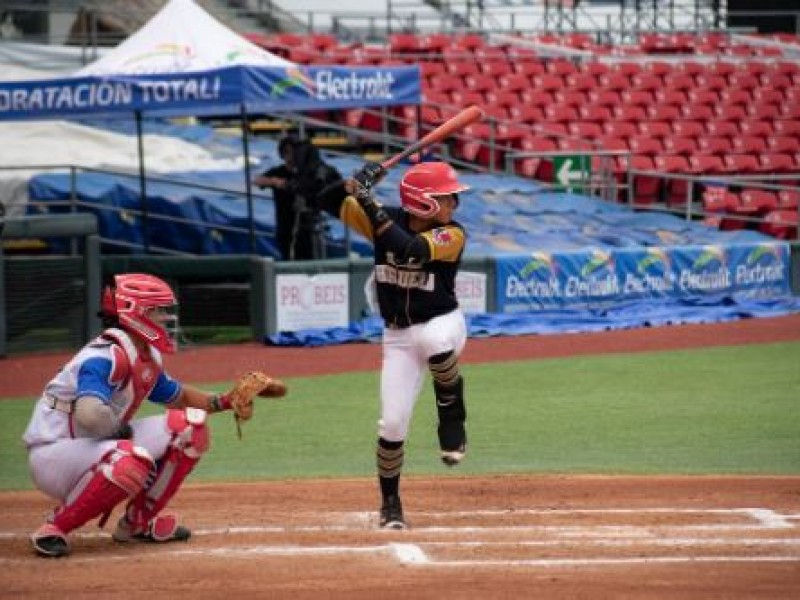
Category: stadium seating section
<point>700,105</point>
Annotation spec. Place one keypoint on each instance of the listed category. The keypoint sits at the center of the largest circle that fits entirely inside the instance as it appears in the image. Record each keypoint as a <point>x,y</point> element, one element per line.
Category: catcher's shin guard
<point>190,439</point>
<point>120,474</point>
<point>452,415</point>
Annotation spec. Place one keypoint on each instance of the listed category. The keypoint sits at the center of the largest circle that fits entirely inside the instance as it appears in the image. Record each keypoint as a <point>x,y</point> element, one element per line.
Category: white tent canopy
<point>181,38</point>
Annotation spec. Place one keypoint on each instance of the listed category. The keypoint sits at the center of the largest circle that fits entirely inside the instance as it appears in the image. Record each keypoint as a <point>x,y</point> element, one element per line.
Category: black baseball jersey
<point>411,289</point>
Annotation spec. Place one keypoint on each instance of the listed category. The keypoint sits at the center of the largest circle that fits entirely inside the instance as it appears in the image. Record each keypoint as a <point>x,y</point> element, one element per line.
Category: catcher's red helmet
<point>145,306</point>
<point>423,182</point>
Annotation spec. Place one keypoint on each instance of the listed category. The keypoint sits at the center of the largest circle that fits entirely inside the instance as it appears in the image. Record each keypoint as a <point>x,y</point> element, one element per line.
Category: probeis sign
<point>572,173</point>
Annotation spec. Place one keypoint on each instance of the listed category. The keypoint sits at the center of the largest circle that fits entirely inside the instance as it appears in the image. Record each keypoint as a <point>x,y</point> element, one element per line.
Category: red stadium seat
<point>787,144</point>
<point>697,112</point>
<point>614,81</point>
<point>513,82</point>
<point>527,113</point>
<point>608,142</point>
<point>743,81</point>
<point>495,68</point>
<point>432,69</point>
<point>547,82</point>
<point>646,81</point>
<point>723,69</point>
<point>722,128</point>
<point>690,68</point>
<point>446,83</point>
<point>679,145</point>
<point>655,129</point>
<point>403,42</point>
<point>755,201</point>
<point>785,127</point>
<point>788,199</point>
<point>741,164</point>
<point>464,98</point>
<point>645,145</point>
<point>767,96</point>
<point>658,68</point>
<point>775,80</point>
<point>594,113</point>
<point>581,82</point>
<point>567,144</point>
<point>776,163</point>
<point>536,97</point>
<point>502,99</point>
<point>620,129</point>
<point>585,130</point>
<point>480,83</point>
<point>570,97</point>
<point>559,113</point>
<point>749,145</point>
<point>735,95</point>
<point>602,97</point>
<point>633,114</point>
<point>692,129</point>
<point>707,164</point>
<point>731,112</point>
<point>593,68</point>
<point>782,224</point>
<point>663,112</point>
<point>714,145</point>
<point>703,96</point>
<point>754,127</point>
<point>561,67</point>
<point>763,111</point>
<point>523,65</point>
<point>637,97</point>
<point>678,81</point>
<point>790,110</point>
<point>670,96</point>
<point>675,190</point>
<point>462,68</point>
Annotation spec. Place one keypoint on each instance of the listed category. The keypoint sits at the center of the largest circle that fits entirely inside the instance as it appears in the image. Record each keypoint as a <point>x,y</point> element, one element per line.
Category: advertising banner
<point>312,302</point>
<point>598,278</point>
<point>471,292</point>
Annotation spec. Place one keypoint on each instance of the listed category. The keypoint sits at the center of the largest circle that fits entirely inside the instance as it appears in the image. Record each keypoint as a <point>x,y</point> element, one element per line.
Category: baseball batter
<point>85,448</point>
<point>418,250</point>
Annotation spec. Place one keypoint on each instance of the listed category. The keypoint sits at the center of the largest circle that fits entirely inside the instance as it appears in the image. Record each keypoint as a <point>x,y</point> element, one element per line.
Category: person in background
<point>295,184</point>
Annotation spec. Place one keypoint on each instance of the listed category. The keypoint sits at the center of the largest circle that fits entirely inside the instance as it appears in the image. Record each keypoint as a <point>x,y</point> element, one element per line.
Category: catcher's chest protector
<point>138,374</point>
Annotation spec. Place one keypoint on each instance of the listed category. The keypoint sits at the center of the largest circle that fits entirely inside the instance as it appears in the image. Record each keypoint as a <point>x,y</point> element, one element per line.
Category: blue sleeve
<point>165,390</point>
<point>94,378</point>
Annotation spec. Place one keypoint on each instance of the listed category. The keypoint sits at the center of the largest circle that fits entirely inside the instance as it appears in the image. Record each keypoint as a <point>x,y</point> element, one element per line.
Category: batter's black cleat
<point>164,528</point>
<point>392,513</point>
<point>452,441</point>
<point>50,541</point>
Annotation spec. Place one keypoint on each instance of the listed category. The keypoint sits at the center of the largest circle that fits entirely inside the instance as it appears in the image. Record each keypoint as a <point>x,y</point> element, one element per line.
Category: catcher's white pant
<point>56,468</point>
<point>405,364</point>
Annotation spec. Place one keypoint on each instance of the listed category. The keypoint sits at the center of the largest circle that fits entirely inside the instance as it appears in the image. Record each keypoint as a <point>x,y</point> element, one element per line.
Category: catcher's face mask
<point>146,307</point>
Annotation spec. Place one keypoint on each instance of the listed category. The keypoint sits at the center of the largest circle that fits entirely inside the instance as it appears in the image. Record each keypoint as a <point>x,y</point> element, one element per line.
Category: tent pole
<point>142,181</point>
<point>248,184</point>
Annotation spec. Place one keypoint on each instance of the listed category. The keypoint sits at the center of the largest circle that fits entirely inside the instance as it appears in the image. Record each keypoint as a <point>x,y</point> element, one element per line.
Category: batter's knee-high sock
<point>448,385</point>
<point>390,462</point>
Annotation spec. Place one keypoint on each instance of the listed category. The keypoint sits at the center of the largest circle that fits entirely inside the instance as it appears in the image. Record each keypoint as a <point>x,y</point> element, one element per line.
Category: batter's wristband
<point>219,402</point>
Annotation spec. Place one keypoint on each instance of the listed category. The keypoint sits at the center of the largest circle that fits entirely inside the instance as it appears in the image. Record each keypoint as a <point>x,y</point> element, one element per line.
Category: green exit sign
<point>572,173</point>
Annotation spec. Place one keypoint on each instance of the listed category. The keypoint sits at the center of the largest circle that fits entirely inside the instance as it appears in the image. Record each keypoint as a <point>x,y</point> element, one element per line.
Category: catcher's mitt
<point>246,389</point>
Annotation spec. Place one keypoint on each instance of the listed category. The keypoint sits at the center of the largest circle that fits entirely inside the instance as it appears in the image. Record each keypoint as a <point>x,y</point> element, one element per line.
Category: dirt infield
<point>477,537</point>
<point>495,537</point>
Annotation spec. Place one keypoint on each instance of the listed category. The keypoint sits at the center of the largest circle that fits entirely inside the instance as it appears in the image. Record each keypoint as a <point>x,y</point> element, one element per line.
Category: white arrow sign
<point>566,175</point>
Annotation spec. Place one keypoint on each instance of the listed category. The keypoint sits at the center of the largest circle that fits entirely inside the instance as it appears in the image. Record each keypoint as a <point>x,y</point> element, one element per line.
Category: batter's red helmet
<point>423,182</point>
<point>134,301</point>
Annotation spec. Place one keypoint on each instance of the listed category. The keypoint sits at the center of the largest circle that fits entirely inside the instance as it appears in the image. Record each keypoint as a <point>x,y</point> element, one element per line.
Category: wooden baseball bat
<point>466,117</point>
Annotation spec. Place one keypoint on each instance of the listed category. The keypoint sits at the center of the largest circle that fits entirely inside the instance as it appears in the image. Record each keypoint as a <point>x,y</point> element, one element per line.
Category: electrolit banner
<point>598,278</point>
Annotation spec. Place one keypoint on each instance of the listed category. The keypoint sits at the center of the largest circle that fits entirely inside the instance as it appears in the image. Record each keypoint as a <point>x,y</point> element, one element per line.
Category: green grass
<point>713,411</point>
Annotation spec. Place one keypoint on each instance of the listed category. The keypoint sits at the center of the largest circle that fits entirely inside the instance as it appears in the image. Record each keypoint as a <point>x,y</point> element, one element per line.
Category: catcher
<point>86,449</point>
